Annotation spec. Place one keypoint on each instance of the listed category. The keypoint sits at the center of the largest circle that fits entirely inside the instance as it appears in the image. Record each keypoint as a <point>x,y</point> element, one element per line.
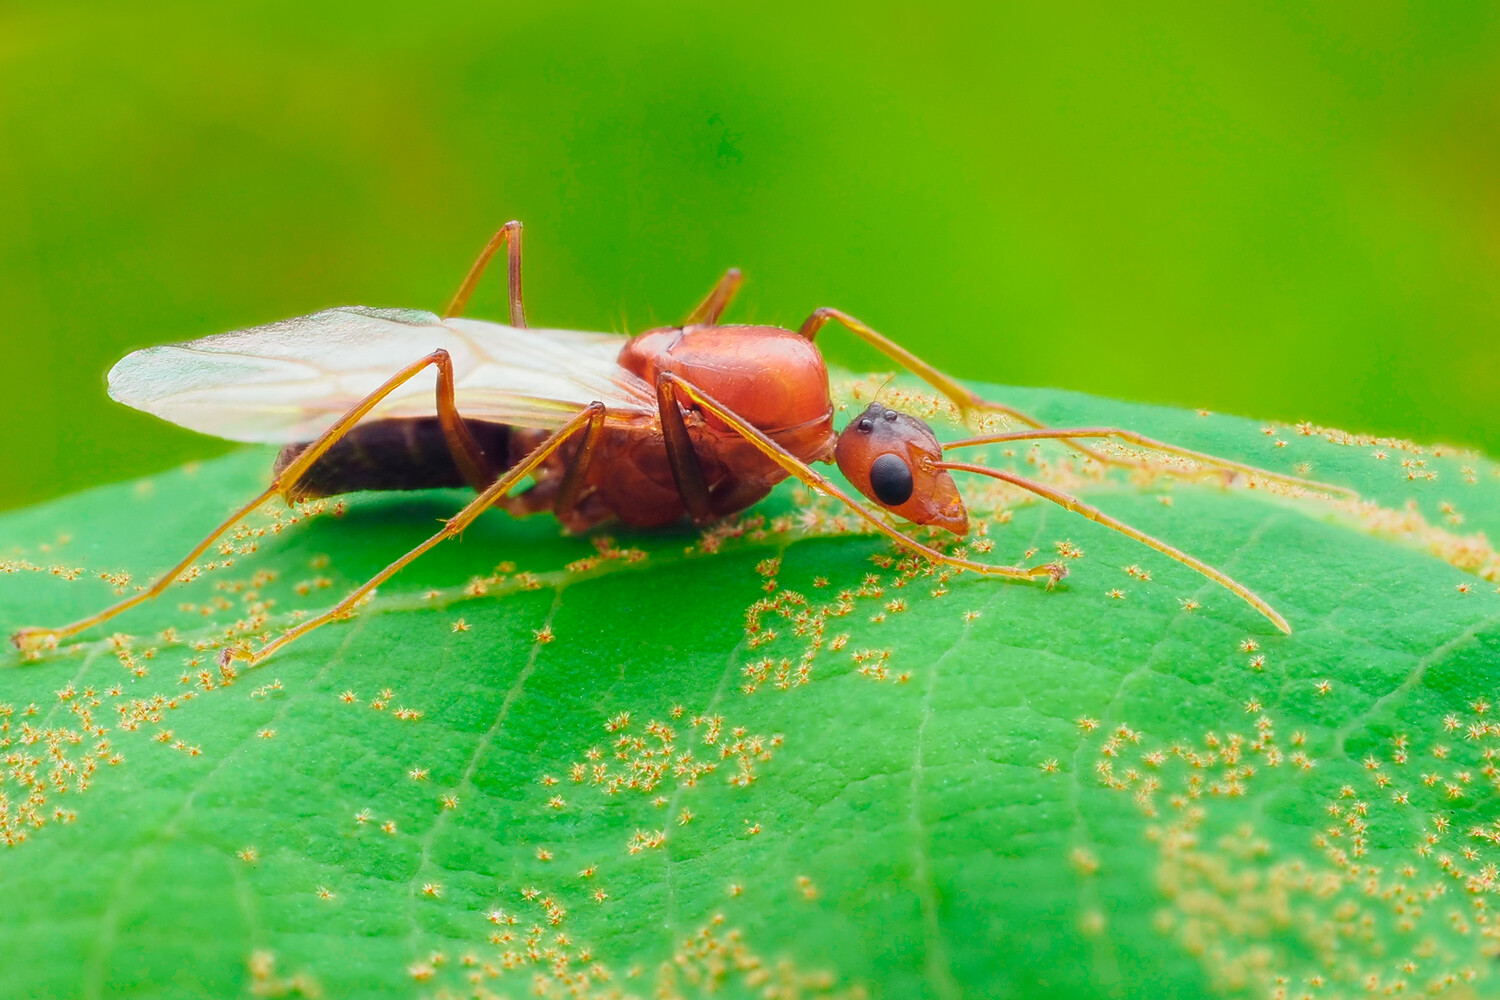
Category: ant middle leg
<point>510,236</point>
<point>707,312</point>
<point>570,491</point>
<point>467,454</point>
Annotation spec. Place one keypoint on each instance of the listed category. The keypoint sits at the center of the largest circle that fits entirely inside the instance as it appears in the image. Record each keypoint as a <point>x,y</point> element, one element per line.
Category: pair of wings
<point>287,382</point>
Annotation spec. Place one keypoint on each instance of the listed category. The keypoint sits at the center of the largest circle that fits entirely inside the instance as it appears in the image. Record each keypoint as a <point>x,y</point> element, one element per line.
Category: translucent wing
<point>288,381</point>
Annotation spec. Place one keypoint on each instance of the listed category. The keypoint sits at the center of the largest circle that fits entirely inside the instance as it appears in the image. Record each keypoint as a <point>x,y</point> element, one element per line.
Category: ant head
<point>889,457</point>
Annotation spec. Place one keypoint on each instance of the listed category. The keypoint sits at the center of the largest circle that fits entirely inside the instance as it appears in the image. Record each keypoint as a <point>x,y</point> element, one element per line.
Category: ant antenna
<point>888,380</point>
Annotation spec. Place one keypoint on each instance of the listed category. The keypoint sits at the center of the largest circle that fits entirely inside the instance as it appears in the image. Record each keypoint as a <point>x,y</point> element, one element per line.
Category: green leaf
<point>634,773</point>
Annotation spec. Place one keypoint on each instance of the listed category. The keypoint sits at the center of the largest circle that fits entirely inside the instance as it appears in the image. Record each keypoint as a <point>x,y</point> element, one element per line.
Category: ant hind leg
<point>587,420</point>
<point>510,236</point>
<point>467,454</point>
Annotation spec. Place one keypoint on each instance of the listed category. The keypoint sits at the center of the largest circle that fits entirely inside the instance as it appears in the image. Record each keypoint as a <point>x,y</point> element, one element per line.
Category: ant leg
<point>711,308</point>
<point>1140,440</point>
<point>794,466</point>
<point>570,491</point>
<point>966,400</point>
<point>589,417</point>
<point>963,398</point>
<point>510,235</point>
<point>703,506</point>
<point>466,453</point>
<point>1069,502</point>
<point>686,470</point>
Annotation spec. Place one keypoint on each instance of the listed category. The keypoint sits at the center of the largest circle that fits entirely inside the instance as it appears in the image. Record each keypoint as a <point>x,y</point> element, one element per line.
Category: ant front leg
<point>703,505</point>
<point>963,398</point>
<point>687,471</point>
<point>798,469</point>
<point>467,454</point>
<point>1072,503</point>
<point>510,236</point>
<point>967,401</point>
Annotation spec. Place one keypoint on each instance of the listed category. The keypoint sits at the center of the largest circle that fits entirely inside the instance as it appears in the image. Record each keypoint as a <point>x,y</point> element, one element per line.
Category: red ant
<point>700,420</point>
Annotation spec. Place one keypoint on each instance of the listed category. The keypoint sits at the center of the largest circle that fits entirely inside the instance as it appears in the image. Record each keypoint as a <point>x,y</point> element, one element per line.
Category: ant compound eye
<point>865,425</point>
<point>890,480</point>
<point>890,415</point>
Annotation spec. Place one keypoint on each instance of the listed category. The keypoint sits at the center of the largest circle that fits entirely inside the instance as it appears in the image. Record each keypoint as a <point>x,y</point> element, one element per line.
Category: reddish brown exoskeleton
<point>700,420</point>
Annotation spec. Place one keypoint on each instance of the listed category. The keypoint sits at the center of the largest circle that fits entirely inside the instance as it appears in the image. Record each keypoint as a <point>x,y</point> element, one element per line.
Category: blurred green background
<point>1288,210</point>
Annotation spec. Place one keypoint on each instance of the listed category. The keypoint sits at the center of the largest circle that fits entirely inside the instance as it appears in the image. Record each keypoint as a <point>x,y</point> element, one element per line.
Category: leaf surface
<point>780,760</point>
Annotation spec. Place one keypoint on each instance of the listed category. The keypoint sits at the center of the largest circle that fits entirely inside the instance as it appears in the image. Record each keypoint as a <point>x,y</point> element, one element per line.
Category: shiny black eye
<point>866,425</point>
<point>890,480</point>
<point>890,415</point>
